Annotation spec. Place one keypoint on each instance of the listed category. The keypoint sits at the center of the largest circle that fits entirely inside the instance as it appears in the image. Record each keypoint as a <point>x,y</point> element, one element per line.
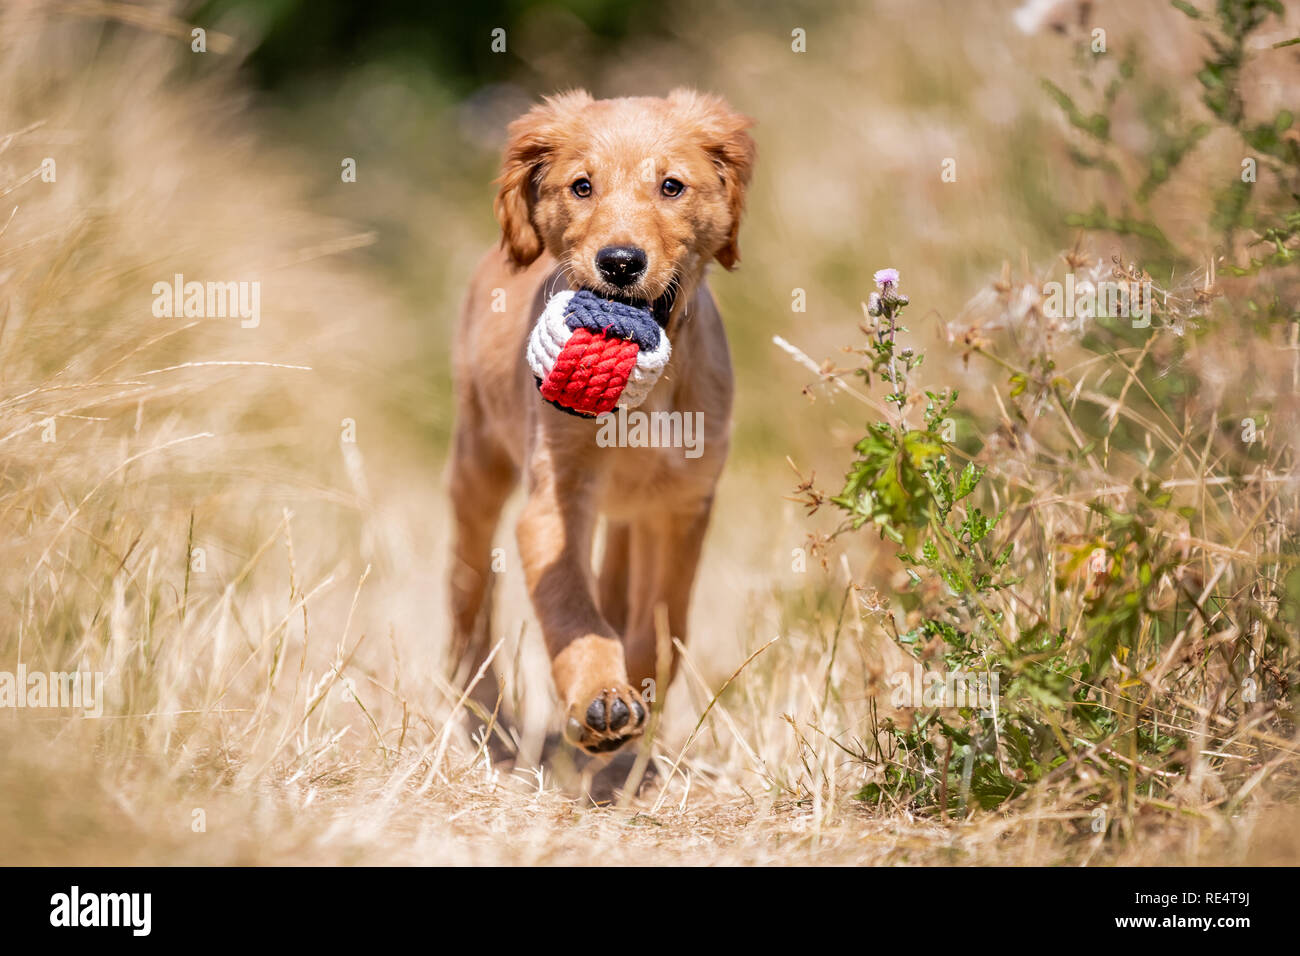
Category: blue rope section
<point>589,311</point>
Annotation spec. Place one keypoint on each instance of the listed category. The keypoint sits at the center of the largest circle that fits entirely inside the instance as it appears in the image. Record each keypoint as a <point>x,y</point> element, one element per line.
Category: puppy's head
<point>634,196</point>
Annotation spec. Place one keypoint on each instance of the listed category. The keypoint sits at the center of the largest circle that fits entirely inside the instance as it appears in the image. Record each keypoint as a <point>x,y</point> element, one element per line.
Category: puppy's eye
<point>581,187</point>
<point>672,188</point>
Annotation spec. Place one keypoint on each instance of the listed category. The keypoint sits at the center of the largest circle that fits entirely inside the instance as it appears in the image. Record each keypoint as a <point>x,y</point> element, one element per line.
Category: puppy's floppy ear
<point>724,135</point>
<point>532,139</point>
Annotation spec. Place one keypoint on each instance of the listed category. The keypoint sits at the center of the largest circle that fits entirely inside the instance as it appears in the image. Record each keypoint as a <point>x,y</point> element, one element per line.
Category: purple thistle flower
<point>886,279</point>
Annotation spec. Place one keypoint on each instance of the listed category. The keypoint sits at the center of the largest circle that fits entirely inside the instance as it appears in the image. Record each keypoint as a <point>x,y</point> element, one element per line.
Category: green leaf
<point>970,477</point>
<point>1096,125</point>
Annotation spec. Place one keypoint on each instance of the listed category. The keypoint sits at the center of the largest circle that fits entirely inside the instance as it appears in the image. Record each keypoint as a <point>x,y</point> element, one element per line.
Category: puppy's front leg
<point>601,710</point>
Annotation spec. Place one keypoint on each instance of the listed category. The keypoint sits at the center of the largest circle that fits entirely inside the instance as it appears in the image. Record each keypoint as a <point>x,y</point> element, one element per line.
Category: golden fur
<point>599,630</point>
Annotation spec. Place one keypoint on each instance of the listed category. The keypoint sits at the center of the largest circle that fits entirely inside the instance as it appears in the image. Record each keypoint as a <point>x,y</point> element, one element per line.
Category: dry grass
<point>286,695</point>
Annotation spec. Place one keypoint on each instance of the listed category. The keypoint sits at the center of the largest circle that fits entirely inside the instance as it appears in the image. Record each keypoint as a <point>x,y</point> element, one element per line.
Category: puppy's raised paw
<point>605,720</point>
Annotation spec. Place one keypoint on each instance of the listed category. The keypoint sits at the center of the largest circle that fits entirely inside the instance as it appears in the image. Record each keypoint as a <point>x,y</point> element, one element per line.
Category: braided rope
<point>587,310</point>
<point>591,354</point>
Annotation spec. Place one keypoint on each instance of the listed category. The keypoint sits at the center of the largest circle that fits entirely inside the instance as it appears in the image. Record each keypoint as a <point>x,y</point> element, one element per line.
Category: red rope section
<point>590,372</point>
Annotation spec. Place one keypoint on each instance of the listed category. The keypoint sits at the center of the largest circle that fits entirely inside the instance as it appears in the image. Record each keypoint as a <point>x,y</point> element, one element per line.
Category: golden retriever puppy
<point>631,199</point>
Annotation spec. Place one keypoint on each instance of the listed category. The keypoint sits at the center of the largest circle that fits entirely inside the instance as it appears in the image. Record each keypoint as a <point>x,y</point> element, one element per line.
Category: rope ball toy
<point>591,354</point>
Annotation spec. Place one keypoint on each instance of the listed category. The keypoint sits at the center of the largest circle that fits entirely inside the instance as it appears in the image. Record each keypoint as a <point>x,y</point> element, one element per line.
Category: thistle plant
<point>887,304</point>
<point>903,483</point>
<point>1116,543</point>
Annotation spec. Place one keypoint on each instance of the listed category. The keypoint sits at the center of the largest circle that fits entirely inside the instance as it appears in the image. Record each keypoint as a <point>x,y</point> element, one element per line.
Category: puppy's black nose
<point>621,265</point>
